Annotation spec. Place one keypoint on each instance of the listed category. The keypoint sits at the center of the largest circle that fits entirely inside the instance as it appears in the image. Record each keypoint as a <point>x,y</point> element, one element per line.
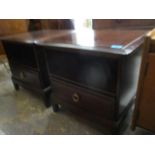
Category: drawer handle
<point>22,75</point>
<point>75,97</point>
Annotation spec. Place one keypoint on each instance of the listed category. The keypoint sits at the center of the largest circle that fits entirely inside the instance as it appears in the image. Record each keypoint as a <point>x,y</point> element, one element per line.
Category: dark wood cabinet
<point>27,62</point>
<point>98,76</point>
<point>27,70</point>
<point>94,73</point>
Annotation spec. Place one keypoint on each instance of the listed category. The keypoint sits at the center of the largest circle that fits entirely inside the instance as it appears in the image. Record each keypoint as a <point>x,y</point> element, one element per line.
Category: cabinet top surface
<point>111,40</point>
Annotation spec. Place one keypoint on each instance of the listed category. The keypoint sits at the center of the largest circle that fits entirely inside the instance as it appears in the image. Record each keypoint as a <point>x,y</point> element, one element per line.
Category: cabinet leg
<point>55,107</point>
<point>47,100</point>
<point>16,86</point>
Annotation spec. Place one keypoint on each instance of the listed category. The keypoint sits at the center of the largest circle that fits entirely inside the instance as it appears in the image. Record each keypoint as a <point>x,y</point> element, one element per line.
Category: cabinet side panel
<point>40,54</point>
<point>130,68</point>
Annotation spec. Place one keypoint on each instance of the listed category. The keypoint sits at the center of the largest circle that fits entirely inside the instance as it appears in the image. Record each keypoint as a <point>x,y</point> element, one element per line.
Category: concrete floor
<point>23,113</point>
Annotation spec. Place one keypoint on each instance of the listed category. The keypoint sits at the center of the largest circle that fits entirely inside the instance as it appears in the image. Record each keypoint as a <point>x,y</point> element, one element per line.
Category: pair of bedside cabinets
<point>93,72</point>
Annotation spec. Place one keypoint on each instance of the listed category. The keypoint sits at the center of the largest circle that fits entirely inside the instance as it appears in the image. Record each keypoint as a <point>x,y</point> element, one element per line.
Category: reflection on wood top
<point>124,41</point>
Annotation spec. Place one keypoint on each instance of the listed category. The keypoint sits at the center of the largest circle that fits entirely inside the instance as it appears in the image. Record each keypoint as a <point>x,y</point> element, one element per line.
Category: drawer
<point>27,76</point>
<point>80,97</point>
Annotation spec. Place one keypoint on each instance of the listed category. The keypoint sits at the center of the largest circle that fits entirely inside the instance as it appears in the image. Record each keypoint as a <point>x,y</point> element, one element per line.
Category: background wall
<point>124,23</point>
<point>10,27</point>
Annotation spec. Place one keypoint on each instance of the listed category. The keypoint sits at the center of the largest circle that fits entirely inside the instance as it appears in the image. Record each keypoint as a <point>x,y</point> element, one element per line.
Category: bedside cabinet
<point>27,62</point>
<point>95,73</point>
<point>28,68</point>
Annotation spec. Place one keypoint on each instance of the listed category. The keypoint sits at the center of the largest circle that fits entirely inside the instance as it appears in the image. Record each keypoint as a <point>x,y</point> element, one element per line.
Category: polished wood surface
<point>144,113</point>
<point>98,38</point>
<point>88,38</point>
<point>115,41</point>
<point>32,37</point>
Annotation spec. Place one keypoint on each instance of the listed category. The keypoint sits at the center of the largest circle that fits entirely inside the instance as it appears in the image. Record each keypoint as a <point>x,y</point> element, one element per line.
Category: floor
<point>23,113</point>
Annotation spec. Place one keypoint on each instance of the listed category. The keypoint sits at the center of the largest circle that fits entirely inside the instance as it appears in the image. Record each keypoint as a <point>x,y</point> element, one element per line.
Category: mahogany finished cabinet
<point>27,62</point>
<point>95,72</point>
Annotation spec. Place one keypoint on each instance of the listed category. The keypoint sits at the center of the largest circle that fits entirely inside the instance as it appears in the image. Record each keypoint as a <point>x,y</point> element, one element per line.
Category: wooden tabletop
<point>110,40</point>
<point>32,37</point>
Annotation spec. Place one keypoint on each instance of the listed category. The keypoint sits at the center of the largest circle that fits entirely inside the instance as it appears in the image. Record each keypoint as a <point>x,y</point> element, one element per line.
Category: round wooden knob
<point>75,97</point>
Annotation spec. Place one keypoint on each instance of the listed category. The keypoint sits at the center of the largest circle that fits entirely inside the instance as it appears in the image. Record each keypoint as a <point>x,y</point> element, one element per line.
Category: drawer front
<point>100,105</point>
<point>28,77</point>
